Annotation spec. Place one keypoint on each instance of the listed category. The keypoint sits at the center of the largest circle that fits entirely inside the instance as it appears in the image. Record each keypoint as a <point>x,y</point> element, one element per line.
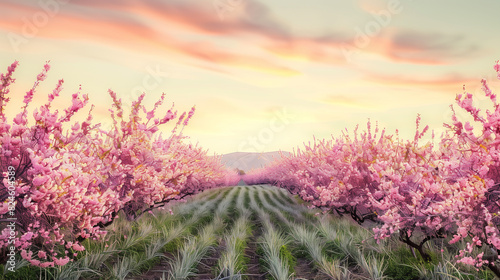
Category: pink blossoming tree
<point>71,183</point>
<point>418,192</point>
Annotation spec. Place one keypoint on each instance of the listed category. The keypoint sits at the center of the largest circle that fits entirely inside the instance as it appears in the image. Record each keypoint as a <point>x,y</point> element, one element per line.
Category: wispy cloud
<point>450,82</point>
<point>149,26</point>
<point>154,26</point>
<point>428,48</point>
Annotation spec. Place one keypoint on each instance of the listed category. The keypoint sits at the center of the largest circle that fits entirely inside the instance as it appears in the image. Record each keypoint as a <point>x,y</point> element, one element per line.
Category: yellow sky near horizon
<point>264,76</point>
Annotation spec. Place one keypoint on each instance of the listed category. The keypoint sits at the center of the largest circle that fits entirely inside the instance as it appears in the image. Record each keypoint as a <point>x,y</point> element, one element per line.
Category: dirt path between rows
<point>206,267</point>
<point>157,272</point>
<point>253,266</point>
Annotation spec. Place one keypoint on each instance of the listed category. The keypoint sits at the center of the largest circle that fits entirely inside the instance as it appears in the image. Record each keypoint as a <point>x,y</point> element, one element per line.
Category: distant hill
<point>249,161</point>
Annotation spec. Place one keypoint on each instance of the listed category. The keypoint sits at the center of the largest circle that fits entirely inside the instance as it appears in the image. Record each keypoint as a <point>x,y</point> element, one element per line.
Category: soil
<point>206,266</point>
<point>157,272</point>
<point>253,266</point>
<point>305,270</point>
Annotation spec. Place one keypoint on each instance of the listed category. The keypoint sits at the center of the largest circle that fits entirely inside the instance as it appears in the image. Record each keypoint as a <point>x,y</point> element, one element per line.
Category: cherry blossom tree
<point>71,183</point>
<point>417,191</point>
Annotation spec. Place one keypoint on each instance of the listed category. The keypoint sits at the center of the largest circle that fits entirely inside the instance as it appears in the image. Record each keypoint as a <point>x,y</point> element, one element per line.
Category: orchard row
<point>70,183</point>
<point>446,189</point>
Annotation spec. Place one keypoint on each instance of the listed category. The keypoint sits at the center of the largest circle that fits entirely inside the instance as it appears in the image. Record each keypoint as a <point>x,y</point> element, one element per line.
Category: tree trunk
<point>403,236</point>
<point>494,269</point>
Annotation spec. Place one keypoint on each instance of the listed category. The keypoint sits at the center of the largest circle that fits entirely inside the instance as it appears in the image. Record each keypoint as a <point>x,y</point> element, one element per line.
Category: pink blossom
<point>497,68</point>
<point>37,181</point>
<point>190,114</point>
<point>61,261</point>
<point>46,264</point>
<point>78,247</point>
<point>42,254</point>
<point>27,236</point>
<point>467,260</point>
<point>26,255</point>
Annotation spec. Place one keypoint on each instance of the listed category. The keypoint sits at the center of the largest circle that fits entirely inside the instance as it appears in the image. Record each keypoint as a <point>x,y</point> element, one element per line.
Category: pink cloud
<point>122,26</point>
<point>450,83</point>
<point>149,26</point>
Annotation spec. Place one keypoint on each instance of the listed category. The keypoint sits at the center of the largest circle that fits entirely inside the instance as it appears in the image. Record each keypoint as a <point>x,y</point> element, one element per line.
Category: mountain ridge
<point>249,161</point>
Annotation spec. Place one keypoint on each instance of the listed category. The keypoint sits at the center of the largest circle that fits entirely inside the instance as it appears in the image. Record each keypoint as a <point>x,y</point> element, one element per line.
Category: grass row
<point>221,224</point>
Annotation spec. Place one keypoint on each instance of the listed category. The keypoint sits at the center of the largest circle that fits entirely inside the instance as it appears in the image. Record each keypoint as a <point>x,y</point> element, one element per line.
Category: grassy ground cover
<point>248,232</point>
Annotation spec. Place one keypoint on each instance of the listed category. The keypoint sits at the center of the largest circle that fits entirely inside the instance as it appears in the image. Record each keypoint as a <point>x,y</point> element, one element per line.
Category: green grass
<point>225,219</point>
<point>193,251</point>
<point>278,260</point>
<point>232,263</point>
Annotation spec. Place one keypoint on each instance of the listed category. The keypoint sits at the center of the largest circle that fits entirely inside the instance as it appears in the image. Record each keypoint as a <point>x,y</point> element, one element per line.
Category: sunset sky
<point>264,75</point>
